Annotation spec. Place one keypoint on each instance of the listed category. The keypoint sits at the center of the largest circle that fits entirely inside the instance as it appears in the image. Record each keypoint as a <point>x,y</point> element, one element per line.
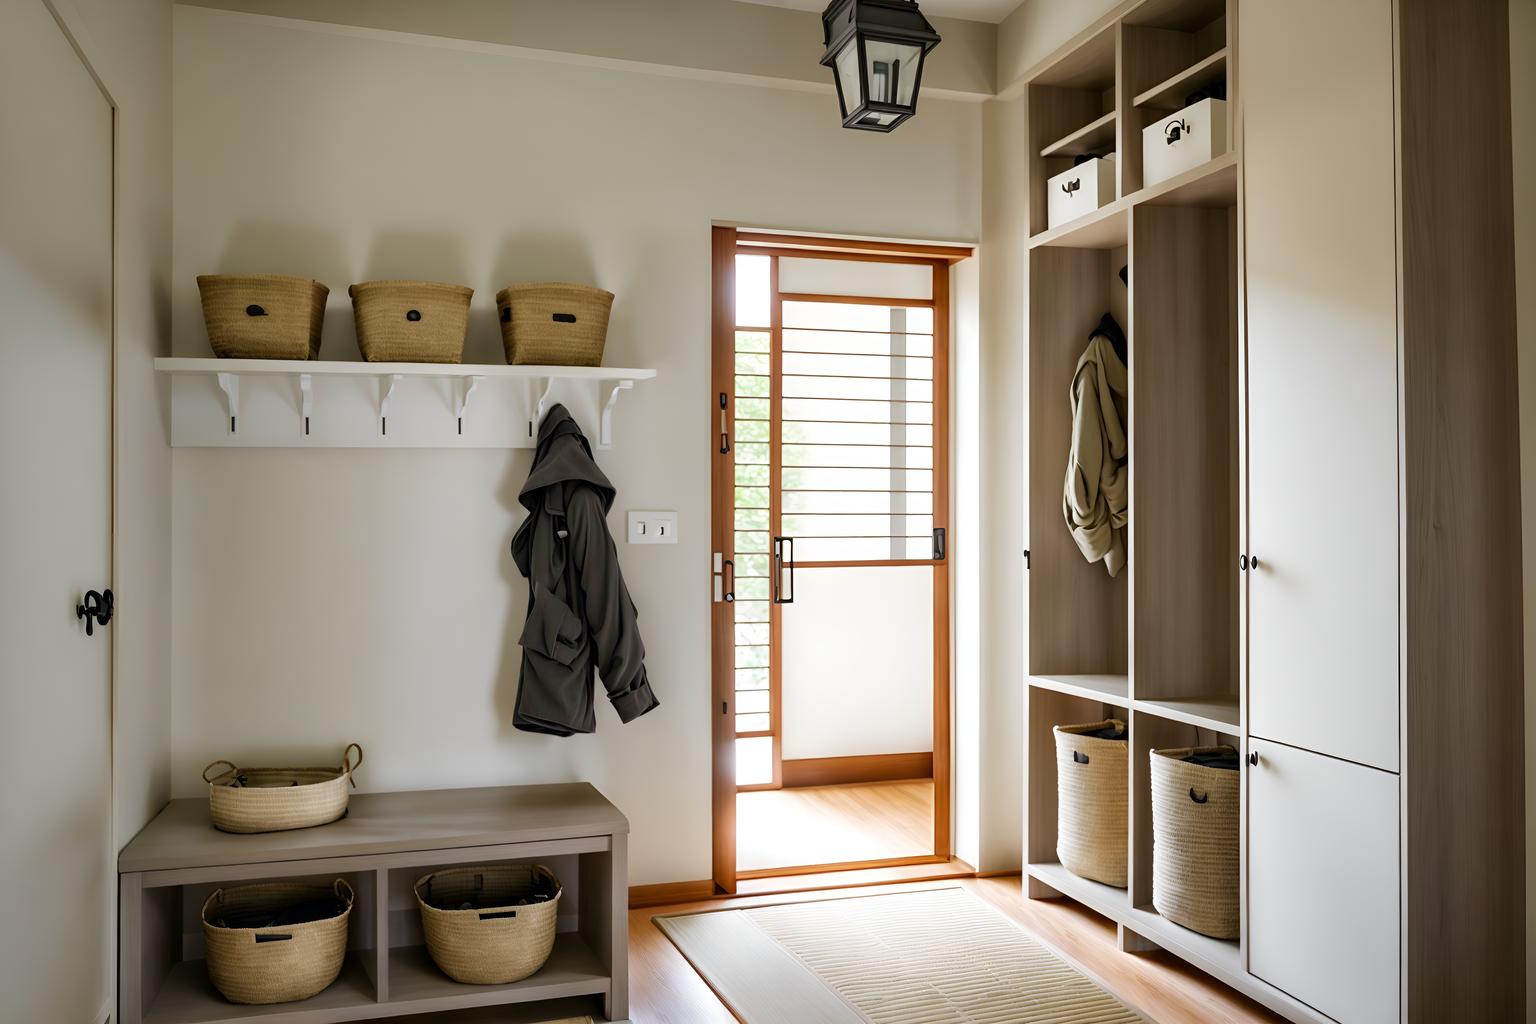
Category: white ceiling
<point>992,11</point>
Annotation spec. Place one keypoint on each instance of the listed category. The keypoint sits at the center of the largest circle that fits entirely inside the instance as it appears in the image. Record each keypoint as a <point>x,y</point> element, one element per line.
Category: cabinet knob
<point>1253,758</point>
<point>1253,561</point>
<point>1242,562</point>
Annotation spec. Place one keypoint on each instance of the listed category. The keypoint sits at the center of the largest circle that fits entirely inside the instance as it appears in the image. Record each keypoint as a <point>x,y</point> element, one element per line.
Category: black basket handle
<point>413,315</point>
<point>563,318</point>
<point>1079,757</point>
<point>254,310</point>
<point>1201,798</point>
<point>1174,130</point>
<point>1072,186</point>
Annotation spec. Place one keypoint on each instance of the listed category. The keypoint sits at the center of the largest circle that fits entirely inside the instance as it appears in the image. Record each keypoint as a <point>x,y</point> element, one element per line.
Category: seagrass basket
<point>410,321</point>
<point>276,799</point>
<point>1091,793</point>
<point>548,324</point>
<point>263,316</point>
<point>276,963</point>
<point>1195,809</point>
<point>481,924</point>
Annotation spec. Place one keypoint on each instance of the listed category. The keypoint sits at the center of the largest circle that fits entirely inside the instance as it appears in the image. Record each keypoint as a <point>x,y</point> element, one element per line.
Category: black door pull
<point>96,610</point>
<point>783,570</point>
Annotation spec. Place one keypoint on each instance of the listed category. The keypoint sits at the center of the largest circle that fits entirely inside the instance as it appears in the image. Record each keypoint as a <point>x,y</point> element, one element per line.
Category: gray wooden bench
<point>385,843</point>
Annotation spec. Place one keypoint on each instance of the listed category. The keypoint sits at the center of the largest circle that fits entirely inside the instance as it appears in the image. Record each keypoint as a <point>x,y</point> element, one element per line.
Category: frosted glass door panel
<point>855,277</point>
<point>857,662</point>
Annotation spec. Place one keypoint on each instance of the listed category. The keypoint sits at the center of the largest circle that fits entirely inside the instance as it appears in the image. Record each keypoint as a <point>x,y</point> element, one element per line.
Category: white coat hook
<point>386,392</point>
<point>306,398</point>
<point>538,409</point>
<point>605,426</point>
<point>230,385</point>
<point>467,387</point>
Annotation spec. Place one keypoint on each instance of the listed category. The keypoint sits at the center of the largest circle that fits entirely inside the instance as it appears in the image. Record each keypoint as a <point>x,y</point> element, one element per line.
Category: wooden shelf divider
<point>1107,689</point>
<point>1171,91</point>
<point>1090,138</point>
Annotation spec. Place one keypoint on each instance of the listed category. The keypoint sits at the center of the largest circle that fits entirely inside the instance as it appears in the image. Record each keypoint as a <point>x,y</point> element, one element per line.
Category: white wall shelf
<point>288,403</point>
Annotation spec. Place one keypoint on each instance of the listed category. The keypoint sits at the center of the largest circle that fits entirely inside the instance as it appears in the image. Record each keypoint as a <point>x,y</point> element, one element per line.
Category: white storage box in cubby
<point>1080,189</point>
<point>1178,142</point>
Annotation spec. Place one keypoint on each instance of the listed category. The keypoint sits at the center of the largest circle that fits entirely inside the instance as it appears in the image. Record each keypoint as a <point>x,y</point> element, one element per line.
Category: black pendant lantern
<point>875,49</point>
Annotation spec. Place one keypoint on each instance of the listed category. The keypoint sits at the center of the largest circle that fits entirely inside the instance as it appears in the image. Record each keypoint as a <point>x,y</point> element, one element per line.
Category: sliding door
<point>832,507</point>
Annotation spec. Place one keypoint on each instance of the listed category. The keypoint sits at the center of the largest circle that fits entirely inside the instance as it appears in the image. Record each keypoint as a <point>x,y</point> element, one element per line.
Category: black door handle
<point>783,558</point>
<point>96,610</point>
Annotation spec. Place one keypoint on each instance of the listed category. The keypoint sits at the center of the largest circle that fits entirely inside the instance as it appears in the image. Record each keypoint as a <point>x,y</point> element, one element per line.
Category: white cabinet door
<point>1323,882</point>
<point>55,509</point>
<point>1320,255</point>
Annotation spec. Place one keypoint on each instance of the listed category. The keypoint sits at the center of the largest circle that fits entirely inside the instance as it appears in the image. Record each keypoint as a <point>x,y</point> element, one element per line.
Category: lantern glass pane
<point>877,118</point>
<point>848,76</point>
<point>893,69</point>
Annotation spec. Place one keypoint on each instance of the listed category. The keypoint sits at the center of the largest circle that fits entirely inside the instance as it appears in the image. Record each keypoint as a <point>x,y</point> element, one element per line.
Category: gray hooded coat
<point>580,617</point>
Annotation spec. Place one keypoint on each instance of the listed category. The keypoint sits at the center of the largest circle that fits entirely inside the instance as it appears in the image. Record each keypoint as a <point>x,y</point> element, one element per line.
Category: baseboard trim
<point>671,892</point>
<point>841,771</point>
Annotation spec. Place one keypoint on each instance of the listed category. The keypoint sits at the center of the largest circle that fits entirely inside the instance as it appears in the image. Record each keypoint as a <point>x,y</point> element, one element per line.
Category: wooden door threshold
<point>927,871</point>
<point>668,893</point>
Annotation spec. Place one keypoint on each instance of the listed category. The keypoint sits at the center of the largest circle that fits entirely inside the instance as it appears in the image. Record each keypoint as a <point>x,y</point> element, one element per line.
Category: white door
<point>55,524</point>
<point>1323,882</point>
<point>1320,253</point>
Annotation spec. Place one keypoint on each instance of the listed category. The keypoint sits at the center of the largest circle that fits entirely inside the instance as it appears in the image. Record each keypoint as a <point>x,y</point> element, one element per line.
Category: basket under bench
<point>385,843</point>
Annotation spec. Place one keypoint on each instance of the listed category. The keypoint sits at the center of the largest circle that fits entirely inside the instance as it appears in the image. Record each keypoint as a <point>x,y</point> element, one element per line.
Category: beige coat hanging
<point>1096,495</point>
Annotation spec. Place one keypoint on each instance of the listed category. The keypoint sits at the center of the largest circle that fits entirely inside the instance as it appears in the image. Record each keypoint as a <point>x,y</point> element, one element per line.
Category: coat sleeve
<point>611,618</point>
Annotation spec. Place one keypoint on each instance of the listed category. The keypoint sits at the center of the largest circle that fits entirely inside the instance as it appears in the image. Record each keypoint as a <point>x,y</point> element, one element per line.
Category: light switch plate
<point>652,527</point>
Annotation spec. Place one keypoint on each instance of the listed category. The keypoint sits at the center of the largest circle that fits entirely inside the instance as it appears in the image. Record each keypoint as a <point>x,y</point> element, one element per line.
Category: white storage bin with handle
<point>1179,142</point>
<point>1080,189</point>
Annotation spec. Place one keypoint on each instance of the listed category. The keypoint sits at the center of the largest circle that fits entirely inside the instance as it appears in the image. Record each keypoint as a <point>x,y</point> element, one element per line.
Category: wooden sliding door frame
<point>727,243</point>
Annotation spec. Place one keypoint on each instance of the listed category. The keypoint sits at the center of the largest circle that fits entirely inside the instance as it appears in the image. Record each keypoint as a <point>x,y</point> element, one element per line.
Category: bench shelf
<point>385,843</point>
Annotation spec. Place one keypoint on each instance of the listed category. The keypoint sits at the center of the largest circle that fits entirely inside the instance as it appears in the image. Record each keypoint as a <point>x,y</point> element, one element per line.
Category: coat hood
<point>563,455</point>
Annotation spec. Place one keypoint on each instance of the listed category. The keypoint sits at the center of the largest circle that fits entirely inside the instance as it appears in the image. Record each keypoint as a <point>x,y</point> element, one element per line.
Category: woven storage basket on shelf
<point>263,316</point>
<point>494,940</point>
<point>1194,840</point>
<point>280,963</point>
<point>550,324</point>
<point>276,799</point>
<point>1091,793</point>
<point>410,321</point>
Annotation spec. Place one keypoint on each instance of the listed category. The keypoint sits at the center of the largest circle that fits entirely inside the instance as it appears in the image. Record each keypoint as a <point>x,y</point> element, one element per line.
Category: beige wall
<point>701,35</point>
<point>1522,43</point>
<point>128,44</point>
<point>334,595</point>
<point>1037,28</point>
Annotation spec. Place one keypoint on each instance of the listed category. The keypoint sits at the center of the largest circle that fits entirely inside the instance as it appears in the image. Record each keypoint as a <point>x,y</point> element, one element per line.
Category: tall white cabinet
<point>1324,565</point>
<point>1319,216</point>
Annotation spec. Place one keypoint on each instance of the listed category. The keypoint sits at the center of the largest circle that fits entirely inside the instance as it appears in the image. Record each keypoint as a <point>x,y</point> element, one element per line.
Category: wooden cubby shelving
<point>1157,646</point>
<point>1092,137</point>
<point>384,844</point>
<point>1169,94</point>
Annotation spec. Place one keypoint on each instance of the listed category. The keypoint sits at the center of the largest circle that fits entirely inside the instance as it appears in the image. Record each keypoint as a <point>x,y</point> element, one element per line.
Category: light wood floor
<point>785,828</point>
<point>665,989</point>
